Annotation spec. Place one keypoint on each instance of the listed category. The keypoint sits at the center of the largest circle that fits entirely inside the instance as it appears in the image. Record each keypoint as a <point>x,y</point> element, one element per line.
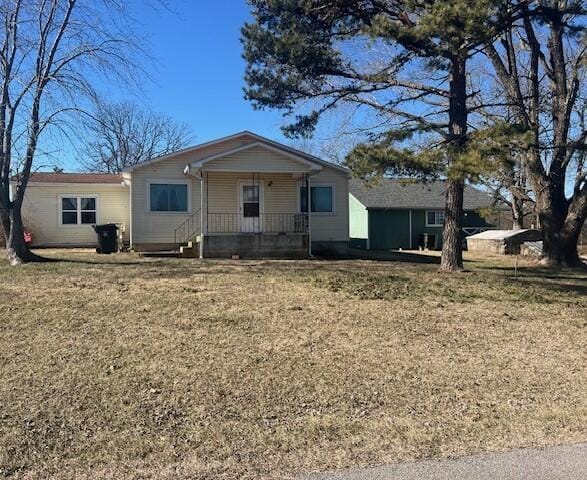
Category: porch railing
<point>264,223</point>
<point>188,229</point>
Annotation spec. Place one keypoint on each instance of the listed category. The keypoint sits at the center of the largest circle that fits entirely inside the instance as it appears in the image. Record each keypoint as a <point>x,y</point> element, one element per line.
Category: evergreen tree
<point>405,60</point>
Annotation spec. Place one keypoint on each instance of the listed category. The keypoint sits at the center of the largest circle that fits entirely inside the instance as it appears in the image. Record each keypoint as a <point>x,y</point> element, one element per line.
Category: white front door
<point>250,208</point>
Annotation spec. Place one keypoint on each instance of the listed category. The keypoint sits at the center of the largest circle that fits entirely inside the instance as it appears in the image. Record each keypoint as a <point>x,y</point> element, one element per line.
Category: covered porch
<point>253,204</point>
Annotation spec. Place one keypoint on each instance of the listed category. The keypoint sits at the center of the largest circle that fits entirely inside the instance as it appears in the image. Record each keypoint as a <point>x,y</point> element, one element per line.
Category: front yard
<point>121,367</point>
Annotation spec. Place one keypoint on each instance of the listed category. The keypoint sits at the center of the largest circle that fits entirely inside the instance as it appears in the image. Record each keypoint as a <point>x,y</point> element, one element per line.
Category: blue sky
<point>196,76</point>
<point>198,73</point>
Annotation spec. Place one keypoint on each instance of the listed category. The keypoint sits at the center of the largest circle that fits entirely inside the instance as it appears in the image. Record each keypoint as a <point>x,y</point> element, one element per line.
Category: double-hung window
<point>434,218</point>
<point>78,210</point>
<point>168,197</point>
<point>321,199</point>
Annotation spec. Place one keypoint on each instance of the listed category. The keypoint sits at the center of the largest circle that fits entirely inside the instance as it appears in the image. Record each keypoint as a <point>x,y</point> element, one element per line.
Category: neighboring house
<point>401,213</point>
<point>239,195</point>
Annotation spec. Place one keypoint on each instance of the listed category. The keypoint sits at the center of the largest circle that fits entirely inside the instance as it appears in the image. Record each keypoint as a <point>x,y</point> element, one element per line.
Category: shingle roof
<point>402,193</point>
<point>50,177</point>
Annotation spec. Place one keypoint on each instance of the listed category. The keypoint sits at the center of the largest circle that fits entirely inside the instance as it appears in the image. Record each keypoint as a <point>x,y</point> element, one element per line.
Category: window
<point>435,218</point>
<point>250,201</point>
<point>168,197</point>
<point>78,210</point>
<point>320,199</point>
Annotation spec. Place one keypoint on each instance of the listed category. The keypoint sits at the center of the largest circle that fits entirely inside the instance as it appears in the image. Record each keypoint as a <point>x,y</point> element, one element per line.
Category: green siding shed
<point>393,213</point>
<point>389,229</point>
<point>358,223</point>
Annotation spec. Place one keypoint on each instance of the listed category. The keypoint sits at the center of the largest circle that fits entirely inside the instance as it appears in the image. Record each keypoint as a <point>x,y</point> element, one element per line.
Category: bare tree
<point>542,68</point>
<point>51,53</point>
<point>123,134</point>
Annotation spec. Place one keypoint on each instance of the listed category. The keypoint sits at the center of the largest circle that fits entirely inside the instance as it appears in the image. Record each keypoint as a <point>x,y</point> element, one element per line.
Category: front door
<point>249,208</point>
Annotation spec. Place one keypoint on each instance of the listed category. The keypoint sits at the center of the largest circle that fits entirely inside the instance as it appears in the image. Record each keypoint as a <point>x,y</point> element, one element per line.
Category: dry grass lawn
<point>126,368</point>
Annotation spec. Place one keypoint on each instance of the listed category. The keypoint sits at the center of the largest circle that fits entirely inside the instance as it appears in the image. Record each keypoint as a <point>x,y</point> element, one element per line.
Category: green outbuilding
<point>395,214</point>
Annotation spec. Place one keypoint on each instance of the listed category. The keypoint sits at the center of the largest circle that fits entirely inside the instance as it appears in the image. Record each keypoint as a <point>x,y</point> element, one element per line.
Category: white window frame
<point>315,184</point>
<point>167,181</point>
<point>78,197</point>
<point>436,212</point>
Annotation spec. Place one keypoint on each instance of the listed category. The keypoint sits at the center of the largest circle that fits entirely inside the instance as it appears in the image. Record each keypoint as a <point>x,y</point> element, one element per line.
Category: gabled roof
<point>406,193</point>
<point>312,165</point>
<point>96,178</point>
<point>245,133</point>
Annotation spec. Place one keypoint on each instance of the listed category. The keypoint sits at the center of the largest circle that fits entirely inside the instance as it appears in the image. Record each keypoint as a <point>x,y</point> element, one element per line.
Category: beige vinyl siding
<point>156,227</point>
<point>332,227</point>
<point>222,192</point>
<point>41,212</point>
<point>256,159</point>
<point>279,197</point>
<point>159,227</point>
<point>282,197</point>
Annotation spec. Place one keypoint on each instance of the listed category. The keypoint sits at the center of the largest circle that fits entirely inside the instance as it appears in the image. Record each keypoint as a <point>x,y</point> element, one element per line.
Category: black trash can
<point>107,238</point>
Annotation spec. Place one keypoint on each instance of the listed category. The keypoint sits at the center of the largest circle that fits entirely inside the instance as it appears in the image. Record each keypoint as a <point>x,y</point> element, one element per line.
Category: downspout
<point>202,183</point>
<point>368,229</point>
<point>309,197</point>
<point>411,241</point>
<point>130,219</point>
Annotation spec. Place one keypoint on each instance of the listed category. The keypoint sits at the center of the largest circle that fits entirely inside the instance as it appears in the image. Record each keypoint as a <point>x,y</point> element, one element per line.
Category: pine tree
<point>405,60</point>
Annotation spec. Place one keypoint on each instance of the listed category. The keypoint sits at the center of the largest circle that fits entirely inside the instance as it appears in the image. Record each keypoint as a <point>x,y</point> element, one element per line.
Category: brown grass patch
<point>120,367</point>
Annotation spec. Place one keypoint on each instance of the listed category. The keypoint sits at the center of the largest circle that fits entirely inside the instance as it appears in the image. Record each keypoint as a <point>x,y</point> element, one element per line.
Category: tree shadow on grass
<point>566,280</point>
<point>547,284</point>
<point>97,262</point>
<point>384,256</point>
<point>576,275</point>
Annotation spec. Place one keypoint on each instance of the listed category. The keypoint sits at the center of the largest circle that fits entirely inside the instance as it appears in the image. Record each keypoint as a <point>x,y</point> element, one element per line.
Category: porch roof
<point>257,157</point>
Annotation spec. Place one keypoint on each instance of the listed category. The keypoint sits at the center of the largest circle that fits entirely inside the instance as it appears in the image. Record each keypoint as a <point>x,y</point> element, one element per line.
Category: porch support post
<point>309,203</point>
<point>202,216</point>
<point>130,223</point>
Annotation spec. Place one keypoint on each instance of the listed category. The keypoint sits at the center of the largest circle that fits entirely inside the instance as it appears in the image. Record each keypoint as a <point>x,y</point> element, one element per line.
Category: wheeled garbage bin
<point>107,238</point>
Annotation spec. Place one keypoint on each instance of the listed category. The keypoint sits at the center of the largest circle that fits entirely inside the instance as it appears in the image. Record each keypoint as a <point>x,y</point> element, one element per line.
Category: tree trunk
<point>4,224</point>
<point>560,249</point>
<point>452,247</point>
<point>561,231</point>
<point>452,241</point>
<point>517,214</point>
<point>16,249</point>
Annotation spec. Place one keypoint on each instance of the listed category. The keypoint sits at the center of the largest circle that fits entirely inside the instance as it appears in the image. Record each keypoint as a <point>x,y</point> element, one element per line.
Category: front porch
<point>253,203</point>
<point>249,214</point>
